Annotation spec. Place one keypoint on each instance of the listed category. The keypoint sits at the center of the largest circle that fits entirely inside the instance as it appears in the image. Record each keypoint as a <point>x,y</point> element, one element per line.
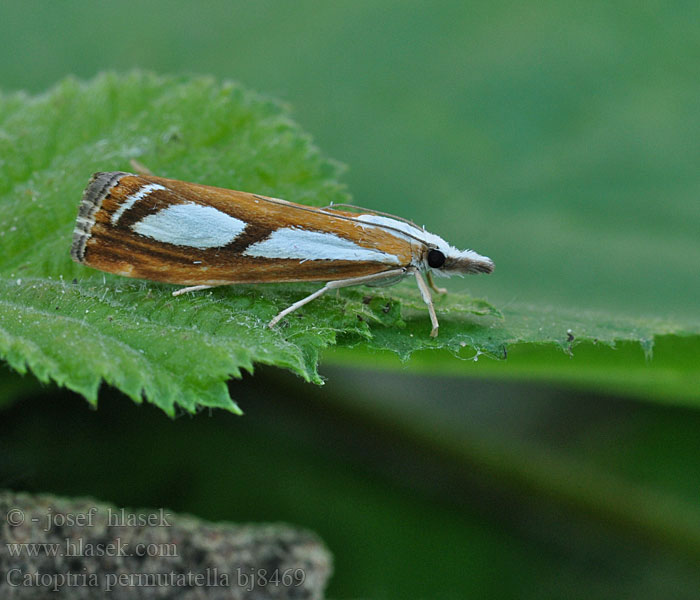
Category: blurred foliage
<point>487,122</point>
<point>480,492</point>
<point>559,138</point>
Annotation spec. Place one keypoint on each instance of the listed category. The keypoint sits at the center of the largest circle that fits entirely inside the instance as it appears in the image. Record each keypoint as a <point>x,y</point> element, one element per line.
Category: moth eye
<point>435,259</point>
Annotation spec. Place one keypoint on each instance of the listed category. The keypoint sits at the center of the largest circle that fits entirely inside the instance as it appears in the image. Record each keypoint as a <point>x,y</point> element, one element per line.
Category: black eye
<point>436,259</point>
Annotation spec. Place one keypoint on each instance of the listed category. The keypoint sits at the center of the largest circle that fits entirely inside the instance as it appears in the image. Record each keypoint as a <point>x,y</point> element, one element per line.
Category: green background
<point>559,138</point>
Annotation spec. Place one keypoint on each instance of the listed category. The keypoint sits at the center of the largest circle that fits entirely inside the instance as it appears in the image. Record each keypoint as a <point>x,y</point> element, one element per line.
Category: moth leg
<point>334,285</point>
<point>193,288</point>
<point>425,292</point>
<point>431,283</point>
<point>293,307</point>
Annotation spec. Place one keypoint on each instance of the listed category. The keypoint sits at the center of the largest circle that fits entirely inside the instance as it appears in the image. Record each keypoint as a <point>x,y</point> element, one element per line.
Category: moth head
<point>443,259</point>
<point>436,255</point>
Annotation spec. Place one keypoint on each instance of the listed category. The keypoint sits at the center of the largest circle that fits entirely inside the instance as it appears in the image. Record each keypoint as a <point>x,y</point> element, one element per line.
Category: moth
<point>199,236</point>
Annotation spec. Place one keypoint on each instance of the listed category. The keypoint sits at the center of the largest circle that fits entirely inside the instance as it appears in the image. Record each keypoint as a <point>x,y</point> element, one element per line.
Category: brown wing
<point>212,229</point>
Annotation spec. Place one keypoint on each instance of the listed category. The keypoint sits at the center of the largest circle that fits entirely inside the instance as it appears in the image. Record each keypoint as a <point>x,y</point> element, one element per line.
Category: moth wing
<point>176,232</point>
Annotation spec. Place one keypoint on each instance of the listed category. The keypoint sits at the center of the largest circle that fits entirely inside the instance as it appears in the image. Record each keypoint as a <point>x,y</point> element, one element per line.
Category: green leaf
<point>134,335</point>
<point>79,327</point>
<point>647,358</point>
